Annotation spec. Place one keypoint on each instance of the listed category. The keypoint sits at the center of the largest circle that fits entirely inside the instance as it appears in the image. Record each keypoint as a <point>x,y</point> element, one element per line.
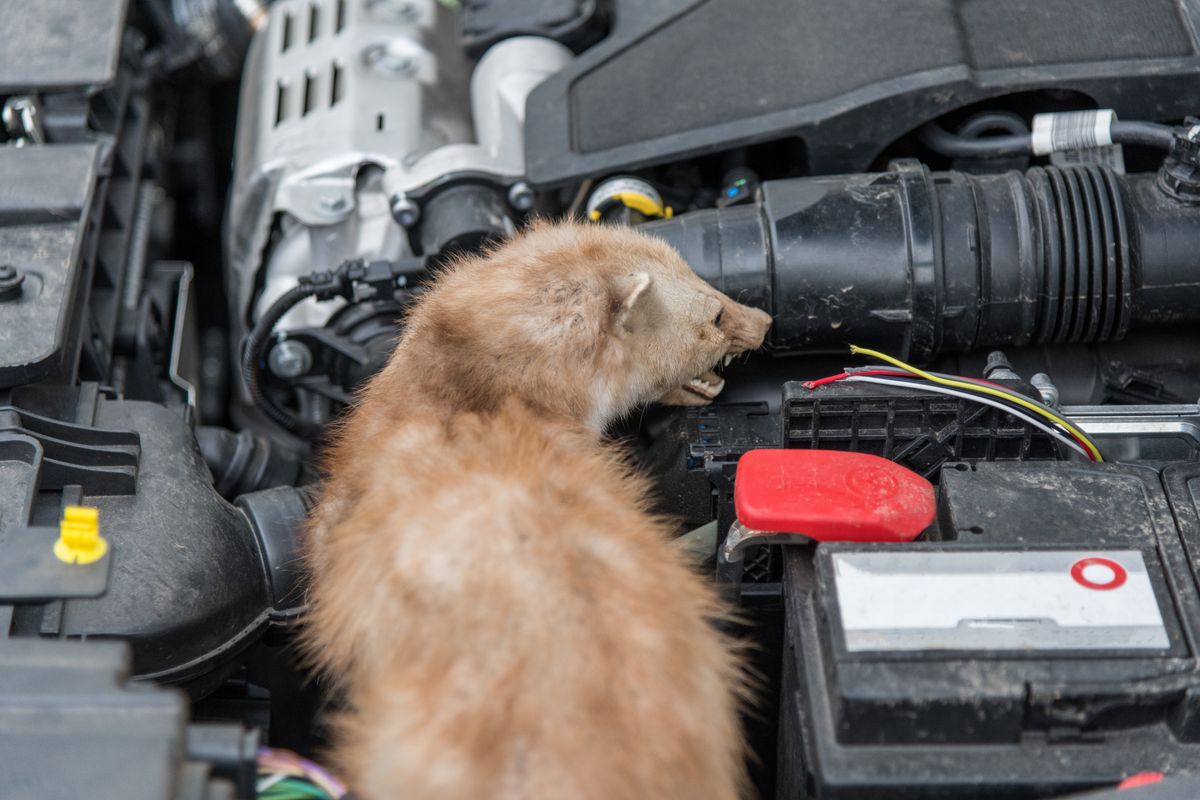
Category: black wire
<point>993,120</point>
<point>256,350</point>
<point>1147,133</point>
<point>948,144</point>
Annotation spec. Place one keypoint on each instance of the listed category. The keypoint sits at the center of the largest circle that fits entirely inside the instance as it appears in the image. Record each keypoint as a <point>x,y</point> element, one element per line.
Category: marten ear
<point>630,293</point>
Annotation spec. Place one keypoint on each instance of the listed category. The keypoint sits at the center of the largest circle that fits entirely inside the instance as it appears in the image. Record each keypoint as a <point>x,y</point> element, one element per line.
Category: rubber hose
<point>1147,133</point>
<point>1005,121</point>
<point>945,143</point>
<point>948,144</point>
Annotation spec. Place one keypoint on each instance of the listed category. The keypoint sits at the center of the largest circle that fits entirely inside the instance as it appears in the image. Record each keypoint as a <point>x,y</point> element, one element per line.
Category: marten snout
<point>745,327</point>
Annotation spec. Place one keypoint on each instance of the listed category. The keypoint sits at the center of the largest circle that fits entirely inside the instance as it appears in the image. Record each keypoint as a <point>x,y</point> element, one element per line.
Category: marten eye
<point>720,316</point>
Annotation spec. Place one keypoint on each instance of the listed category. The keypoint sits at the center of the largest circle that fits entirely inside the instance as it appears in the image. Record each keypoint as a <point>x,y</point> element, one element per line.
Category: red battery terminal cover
<point>831,496</point>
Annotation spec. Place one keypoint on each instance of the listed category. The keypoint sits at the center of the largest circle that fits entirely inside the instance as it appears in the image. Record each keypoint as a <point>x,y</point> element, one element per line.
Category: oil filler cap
<point>782,496</point>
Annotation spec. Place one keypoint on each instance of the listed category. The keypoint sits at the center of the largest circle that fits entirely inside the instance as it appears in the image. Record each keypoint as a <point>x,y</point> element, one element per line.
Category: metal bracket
<point>740,537</point>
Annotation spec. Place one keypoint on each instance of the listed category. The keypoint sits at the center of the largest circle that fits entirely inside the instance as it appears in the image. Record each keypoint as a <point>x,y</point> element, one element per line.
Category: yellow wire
<point>978,387</point>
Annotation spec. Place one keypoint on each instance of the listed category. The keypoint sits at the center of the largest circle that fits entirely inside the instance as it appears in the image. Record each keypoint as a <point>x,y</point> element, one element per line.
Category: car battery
<point>1042,640</point>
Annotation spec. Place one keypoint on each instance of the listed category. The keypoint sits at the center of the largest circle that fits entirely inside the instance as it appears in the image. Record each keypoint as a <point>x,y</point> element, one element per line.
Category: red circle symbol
<point>1116,574</point>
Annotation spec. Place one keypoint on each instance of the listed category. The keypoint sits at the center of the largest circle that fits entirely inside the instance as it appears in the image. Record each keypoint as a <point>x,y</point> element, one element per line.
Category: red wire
<point>843,375</point>
<point>823,381</point>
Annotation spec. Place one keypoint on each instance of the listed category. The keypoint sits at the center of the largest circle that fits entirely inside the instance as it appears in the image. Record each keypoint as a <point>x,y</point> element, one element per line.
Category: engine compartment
<point>212,214</point>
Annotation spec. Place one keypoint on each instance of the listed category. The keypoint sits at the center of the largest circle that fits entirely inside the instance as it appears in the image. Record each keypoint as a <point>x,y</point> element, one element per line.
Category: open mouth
<point>709,384</point>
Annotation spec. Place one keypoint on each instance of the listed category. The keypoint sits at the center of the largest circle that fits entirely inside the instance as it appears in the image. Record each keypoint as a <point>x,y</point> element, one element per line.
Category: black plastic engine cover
<point>73,724</point>
<point>186,582</point>
<point>66,206</point>
<point>95,404</point>
<point>679,78</point>
<point>45,196</point>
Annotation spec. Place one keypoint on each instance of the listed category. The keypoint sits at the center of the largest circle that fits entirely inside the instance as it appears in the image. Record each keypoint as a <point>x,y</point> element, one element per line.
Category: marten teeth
<point>708,385</point>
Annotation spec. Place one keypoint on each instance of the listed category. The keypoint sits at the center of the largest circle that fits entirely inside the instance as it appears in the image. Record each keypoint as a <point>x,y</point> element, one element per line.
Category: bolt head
<point>521,196</point>
<point>398,10</point>
<point>389,61</point>
<point>333,205</point>
<point>405,211</point>
<point>10,282</point>
<point>289,360</point>
<point>1046,388</point>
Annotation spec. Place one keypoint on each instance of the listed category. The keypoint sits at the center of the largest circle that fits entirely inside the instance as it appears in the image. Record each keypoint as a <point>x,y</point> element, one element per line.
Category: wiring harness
<point>353,281</point>
<point>979,391</point>
<point>283,775</point>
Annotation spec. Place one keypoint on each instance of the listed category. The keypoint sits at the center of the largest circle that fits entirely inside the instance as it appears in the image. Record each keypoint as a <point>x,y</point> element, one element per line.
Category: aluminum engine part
<point>1142,432</point>
<point>500,85</point>
<point>349,107</point>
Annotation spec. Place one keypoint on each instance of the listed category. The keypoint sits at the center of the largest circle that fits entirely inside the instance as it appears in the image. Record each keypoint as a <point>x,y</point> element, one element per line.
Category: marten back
<point>535,633</point>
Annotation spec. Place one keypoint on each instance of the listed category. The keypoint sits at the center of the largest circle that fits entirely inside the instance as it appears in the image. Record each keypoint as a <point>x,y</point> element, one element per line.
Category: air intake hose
<point>929,263</point>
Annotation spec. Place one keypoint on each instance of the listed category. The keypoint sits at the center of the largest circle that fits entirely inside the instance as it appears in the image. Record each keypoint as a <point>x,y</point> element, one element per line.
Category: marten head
<point>587,321</point>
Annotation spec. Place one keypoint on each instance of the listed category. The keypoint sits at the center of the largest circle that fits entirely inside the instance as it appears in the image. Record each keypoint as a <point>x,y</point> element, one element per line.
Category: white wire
<point>269,781</point>
<point>987,401</point>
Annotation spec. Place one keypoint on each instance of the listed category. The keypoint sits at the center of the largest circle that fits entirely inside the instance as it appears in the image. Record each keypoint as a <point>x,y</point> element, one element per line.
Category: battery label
<point>997,600</point>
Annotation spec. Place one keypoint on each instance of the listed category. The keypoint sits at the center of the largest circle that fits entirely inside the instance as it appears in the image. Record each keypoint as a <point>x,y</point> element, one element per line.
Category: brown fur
<point>504,615</point>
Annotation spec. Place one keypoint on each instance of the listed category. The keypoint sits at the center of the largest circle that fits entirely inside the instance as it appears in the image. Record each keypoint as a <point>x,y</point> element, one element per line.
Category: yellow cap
<point>644,204</point>
<point>79,539</point>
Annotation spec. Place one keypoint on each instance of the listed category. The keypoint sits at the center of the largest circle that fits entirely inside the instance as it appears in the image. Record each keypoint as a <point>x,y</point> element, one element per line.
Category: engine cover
<point>688,77</point>
<point>188,582</point>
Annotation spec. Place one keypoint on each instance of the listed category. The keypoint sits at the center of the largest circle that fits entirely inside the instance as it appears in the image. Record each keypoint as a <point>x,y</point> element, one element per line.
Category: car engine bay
<point>212,216</point>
